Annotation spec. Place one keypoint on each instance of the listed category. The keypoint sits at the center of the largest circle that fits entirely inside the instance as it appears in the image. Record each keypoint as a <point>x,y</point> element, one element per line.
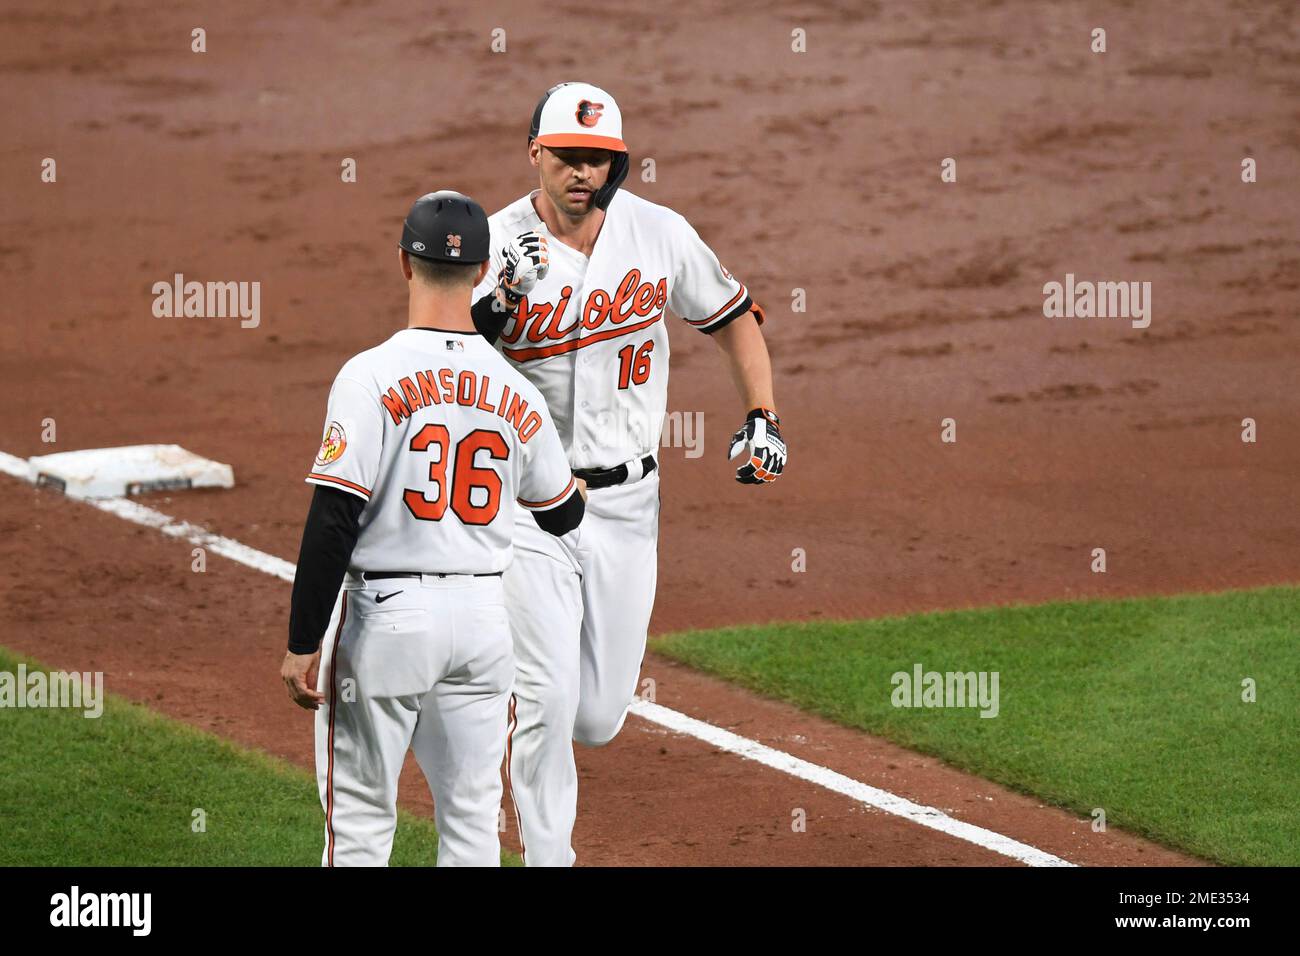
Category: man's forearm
<point>742,343</point>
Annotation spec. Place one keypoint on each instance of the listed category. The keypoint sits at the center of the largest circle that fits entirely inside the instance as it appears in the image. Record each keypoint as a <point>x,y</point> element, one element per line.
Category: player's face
<point>571,176</point>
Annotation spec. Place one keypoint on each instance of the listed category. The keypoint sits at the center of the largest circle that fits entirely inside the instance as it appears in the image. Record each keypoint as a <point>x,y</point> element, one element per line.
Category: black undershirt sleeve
<point>743,309</point>
<point>562,518</point>
<point>488,317</point>
<point>333,524</point>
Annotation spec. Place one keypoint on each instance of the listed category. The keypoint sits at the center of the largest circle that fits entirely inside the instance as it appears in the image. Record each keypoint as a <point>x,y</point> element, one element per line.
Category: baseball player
<point>431,439</point>
<point>582,276</point>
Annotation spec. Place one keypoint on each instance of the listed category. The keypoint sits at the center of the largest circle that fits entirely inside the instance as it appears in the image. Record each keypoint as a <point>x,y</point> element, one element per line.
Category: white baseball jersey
<point>591,335</point>
<point>440,437</point>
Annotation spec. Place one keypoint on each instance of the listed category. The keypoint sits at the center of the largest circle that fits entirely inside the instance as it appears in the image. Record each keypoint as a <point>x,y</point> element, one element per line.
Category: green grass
<point>120,790</point>
<point>1133,706</point>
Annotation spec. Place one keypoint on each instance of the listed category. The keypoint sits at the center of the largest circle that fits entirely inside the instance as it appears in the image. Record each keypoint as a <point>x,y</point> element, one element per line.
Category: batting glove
<point>761,434</point>
<point>526,262</point>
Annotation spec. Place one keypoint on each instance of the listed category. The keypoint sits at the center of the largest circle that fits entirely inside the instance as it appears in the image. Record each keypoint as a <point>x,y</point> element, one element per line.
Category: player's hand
<point>299,673</point>
<point>526,261</point>
<point>760,436</point>
<point>582,486</point>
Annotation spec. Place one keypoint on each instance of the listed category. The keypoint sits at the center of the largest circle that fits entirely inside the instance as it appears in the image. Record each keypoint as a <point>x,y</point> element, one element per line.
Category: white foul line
<point>672,720</point>
<point>831,780</point>
<point>226,547</point>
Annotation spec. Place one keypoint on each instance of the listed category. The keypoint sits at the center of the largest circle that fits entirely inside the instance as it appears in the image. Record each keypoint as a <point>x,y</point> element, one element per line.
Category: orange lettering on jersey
<point>530,426</point>
<point>483,394</point>
<point>448,389</point>
<point>466,386</point>
<point>515,413</point>
<point>627,289</point>
<point>396,407</point>
<point>554,330</point>
<point>597,310</point>
<point>644,301</point>
<point>505,397</point>
<point>534,318</point>
<point>428,388</point>
<point>543,325</point>
<point>539,322</point>
<point>560,348</point>
<point>412,394</point>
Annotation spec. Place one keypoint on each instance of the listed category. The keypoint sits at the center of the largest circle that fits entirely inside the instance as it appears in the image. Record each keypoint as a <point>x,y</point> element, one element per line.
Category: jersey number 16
<point>634,367</point>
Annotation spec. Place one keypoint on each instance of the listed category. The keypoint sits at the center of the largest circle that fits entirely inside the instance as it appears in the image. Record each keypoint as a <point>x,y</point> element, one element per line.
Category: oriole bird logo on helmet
<point>588,112</point>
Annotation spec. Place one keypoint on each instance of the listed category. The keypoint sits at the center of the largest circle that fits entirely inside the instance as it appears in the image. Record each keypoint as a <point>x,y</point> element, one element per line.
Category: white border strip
<point>672,720</point>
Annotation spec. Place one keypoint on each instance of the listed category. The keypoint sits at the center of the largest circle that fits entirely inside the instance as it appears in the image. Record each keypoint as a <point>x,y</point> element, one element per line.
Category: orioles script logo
<point>589,112</point>
<point>635,304</point>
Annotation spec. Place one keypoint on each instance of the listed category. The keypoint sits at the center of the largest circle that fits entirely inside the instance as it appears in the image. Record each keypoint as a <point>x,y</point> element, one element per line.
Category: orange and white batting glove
<point>526,261</point>
<point>760,436</point>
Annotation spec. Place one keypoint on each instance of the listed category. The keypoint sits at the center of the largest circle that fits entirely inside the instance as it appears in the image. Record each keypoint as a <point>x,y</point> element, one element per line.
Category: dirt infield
<point>816,171</point>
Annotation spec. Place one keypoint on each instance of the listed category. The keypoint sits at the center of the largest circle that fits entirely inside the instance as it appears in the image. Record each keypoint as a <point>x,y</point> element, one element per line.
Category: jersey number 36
<point>466,476</point>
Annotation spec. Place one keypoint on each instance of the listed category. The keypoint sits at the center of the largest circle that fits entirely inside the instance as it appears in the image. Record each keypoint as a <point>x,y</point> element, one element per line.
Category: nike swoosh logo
<point>384,597</point>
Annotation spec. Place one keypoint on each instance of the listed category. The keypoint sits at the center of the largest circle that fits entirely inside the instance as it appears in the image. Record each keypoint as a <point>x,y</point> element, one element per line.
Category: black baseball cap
<point>446,226</point>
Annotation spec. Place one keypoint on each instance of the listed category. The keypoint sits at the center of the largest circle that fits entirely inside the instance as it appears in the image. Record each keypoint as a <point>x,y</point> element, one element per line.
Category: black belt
<point>606,477</point>
<point>384,575</point>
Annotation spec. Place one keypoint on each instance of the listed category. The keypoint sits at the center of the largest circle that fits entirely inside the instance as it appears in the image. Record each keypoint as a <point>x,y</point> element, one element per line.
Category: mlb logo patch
<point>454,345</point>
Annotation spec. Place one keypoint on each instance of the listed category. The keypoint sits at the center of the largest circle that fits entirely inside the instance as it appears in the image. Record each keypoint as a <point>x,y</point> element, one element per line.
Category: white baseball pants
<point>429,669</point>
<point>579,611</point>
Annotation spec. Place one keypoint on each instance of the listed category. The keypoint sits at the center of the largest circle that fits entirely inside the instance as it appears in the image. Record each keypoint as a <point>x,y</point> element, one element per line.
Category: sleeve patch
<point>332,445</point>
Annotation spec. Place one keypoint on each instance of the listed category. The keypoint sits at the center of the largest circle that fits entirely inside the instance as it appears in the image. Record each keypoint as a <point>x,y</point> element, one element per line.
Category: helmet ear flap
<point>618,167</point>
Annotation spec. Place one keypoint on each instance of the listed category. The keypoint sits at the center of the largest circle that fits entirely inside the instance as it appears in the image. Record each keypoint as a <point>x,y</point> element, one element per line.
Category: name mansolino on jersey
<point>428,388</point>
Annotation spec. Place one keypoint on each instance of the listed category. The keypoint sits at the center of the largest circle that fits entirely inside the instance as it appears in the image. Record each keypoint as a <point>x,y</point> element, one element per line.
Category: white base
<point>129,470</point>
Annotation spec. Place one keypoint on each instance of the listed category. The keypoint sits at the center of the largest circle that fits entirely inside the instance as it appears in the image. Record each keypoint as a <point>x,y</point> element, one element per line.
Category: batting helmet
<point>579,114</point>
<point>446,226</point>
